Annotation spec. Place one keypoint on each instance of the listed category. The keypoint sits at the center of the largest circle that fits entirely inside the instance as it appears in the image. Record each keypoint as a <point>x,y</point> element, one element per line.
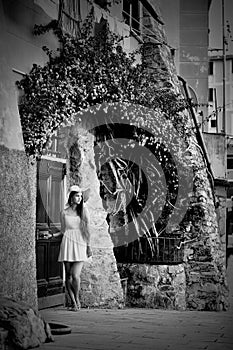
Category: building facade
<point>215,123</point>
<point>40,189</point>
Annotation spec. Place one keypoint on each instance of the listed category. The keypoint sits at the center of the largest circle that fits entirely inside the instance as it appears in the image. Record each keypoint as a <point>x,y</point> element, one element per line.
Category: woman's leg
<point>76,272</point>
<point>68,281</point>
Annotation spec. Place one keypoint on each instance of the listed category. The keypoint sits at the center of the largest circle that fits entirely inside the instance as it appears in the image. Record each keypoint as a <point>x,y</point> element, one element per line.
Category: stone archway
<point>190,285</point>
<point>100,280</point>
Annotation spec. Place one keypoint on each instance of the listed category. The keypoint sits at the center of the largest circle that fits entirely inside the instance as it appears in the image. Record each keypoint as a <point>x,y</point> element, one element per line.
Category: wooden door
<point>50,200</point>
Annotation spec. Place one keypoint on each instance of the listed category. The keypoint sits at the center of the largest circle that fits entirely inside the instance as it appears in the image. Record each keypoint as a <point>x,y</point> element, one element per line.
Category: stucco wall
<point>194,45</point>
<point>24,47</point>
<point>186,27</point>
<point>17,189</point>
<point>10,129</point>
<point>17,227</point>
<point>216,147</point>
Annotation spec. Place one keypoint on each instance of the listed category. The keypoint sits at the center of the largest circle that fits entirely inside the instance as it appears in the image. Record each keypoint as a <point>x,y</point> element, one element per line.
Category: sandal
<point>76,307</point>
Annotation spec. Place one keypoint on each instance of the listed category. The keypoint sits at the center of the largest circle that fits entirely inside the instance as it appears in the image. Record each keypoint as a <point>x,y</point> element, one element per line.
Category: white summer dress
<point>73,247</point>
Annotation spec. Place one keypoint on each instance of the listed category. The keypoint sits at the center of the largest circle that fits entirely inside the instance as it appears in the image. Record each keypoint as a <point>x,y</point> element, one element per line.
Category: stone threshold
<point>51,300</point>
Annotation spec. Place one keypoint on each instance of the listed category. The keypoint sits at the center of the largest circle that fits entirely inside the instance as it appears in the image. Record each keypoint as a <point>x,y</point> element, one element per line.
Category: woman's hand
<point>48,235</point>
<point>89,251</point>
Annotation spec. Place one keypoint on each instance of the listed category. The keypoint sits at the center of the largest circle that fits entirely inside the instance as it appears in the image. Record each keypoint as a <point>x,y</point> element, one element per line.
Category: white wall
<point>216,82</point>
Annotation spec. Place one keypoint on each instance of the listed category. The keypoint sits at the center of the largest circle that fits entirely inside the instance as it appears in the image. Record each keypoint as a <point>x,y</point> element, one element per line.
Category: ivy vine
<point>92,70</point>
<point>84,71</point>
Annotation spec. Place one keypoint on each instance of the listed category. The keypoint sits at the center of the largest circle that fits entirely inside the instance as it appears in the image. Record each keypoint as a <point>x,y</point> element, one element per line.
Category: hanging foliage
<point>84,71</point>
<point>93,70</point>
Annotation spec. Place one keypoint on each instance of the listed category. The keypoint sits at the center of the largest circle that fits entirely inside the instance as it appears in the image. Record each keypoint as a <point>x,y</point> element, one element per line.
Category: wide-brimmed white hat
<point>85,192</point>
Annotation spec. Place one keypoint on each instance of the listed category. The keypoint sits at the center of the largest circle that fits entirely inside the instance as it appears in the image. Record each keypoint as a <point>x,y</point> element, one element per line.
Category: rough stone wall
<point>158,56</point>
<point>17,227</point>
<point>202,277</point>
<point>100,280</point>
<point>220,191</point>
<point>216,145</point>
<point>154,286</point>
<point>204,257</point>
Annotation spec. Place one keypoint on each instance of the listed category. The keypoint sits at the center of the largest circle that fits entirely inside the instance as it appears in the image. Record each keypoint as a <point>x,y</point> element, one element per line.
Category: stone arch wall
<point>100,280</point>
<point>202,276</point>
<point>198,283</point>
<point>204,255</point>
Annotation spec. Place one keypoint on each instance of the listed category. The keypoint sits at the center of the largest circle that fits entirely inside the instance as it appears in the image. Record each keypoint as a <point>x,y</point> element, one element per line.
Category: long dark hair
<point>79,207</point>
<point>81,213</point>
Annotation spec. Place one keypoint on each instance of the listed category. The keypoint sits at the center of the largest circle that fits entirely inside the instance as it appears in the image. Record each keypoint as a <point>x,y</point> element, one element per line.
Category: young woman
<point>75,245</point>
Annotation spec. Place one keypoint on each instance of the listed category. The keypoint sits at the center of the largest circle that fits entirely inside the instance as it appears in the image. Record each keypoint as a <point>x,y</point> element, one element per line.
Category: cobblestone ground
<point>146,329</point>
<point>141,329</point>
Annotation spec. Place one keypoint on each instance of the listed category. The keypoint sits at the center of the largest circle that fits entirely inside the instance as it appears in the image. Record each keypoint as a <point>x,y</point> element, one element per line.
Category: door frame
<point>50,280</point>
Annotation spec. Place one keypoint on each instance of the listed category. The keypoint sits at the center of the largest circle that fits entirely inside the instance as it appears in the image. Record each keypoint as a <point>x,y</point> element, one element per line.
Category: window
<point>213,123</point>
<point>57,148</point>
<point>211,68</point>
<point>211,95</point>
<point>50,194</point>
<point>229,163</point>
<point>50,183</point>
<point>131,14</point>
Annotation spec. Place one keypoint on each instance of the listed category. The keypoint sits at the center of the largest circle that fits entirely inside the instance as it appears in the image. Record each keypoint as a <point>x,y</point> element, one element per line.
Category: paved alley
<point>145,329</point>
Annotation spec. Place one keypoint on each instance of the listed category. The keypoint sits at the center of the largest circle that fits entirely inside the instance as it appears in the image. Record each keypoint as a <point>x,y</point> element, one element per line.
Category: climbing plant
<point>93,70</point>
<point>84,71</point>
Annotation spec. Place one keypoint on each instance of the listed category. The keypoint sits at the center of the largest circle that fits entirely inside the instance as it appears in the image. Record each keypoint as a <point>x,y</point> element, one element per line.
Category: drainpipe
<point>223,72</point>
<point>216,108</point>
<point>199,136</point>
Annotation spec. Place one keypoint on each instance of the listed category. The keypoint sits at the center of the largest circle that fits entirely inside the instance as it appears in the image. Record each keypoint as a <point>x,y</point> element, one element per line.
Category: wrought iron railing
<point>152,250</point>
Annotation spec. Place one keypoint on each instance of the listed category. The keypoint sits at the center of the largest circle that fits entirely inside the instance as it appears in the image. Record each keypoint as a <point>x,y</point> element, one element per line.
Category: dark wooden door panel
<point>49,270</point>
<point>54,268</point>
<point>42,199</point>
<point>42,288</point>
<point>50,196</point>
<point>55,202</point>
<point>41,254</point>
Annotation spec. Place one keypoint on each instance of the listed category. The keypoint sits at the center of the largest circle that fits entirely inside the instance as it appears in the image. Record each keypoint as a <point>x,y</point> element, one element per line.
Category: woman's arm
<point>86,217</point>
<point>62,219</point>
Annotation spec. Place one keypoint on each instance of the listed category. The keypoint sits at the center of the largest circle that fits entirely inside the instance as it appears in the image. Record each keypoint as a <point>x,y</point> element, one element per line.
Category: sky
<point>215,25</point>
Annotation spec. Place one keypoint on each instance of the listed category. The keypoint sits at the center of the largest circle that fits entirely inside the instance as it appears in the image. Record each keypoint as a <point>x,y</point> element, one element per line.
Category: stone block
<point>162,287</point>
<point>100,281</point>
<point>194,277</point>
<point>26,328</point>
